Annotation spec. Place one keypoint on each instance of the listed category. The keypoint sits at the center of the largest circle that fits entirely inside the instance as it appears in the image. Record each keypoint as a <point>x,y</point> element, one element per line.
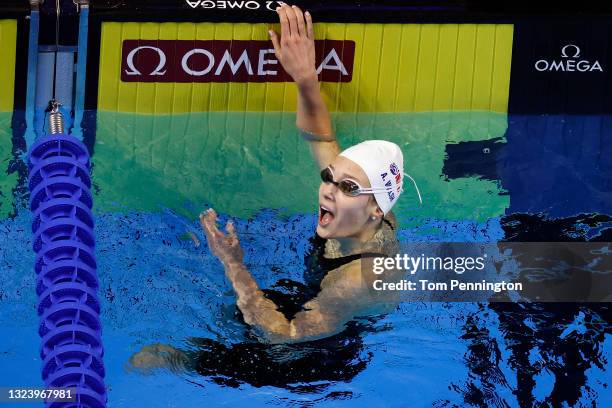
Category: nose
<point>328,190</point>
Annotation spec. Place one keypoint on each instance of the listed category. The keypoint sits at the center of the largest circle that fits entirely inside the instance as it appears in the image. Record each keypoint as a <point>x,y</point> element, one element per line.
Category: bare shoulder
<point>351,288</point>
<point>346,280</point>
<point>355,278</point>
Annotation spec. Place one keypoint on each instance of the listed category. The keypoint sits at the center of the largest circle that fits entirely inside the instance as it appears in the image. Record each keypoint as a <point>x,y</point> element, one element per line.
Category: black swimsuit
<point>335,358</point>
<point>290,296</point>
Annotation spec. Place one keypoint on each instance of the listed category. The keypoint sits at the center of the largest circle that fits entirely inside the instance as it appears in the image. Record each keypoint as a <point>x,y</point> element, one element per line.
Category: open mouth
<point>325,216</point>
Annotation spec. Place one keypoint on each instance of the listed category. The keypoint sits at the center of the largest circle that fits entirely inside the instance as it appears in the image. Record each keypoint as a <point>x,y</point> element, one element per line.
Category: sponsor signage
<point>234,4</point>
<point>561,67</point>
<point>570,61</point>
<point>226,61</point>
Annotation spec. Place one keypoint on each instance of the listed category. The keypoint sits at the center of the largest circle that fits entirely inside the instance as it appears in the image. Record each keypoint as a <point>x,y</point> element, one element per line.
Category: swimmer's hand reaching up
<point>225,247</point>
<point>295,48</point>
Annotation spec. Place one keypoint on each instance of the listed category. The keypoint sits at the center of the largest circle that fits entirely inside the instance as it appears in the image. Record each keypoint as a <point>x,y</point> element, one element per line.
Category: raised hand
<point>295,49</point>
<point>225,247</point>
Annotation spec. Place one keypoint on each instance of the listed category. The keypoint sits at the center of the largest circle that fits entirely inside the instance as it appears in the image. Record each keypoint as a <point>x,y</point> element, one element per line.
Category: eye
<point>349,187</point>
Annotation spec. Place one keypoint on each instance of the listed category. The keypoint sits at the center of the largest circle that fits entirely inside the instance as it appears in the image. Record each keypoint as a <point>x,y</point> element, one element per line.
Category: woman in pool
<point>359,187</point>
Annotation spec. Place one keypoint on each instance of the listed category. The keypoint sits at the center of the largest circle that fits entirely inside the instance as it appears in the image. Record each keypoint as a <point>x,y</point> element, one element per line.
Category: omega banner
<point>180,67</point>
<point>226,61</point>
<point>561,68</point>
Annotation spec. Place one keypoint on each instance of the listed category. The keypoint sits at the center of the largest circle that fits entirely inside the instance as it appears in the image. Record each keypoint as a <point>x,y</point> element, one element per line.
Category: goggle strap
<point>384,189</point>
<point>415,187</point>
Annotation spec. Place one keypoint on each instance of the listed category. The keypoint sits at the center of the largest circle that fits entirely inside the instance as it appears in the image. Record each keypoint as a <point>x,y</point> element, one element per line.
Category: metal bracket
<point>35,4</point>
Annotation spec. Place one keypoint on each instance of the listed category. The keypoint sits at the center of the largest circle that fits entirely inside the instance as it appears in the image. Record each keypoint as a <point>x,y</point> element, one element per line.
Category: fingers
<point>275,43</point>
<point>300,20</point>
<point>231,229</point>
<point>208,220</point>
<point>293,24</point>
<point>309,27</point>
<point>208,216</point>
<point>205,219</point>
<point>284,22</point>
<point>232,237</point>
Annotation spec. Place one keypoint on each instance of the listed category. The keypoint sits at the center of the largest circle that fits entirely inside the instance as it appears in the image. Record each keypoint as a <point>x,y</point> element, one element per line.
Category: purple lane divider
<point>61,208</point>
<point>74,355</point>
<point>65,313</point>
<point>60,187</point>
<point>65,264</point>
<point>89,386</point>
<point>85,398</point>
<point>65,271</point>
<point>58,166</point>
<point>64,250</point>
<point>68,292</point>
<point>58,145</point>
<point>71,334</point>
<point>63,229</point>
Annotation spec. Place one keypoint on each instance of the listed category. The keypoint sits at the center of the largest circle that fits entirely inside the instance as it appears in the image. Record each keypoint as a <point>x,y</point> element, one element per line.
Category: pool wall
<point>473,82</point>
<point>498,92</point>
<point>534,139</point>
<point>410,83</point>
<point>8,43</point>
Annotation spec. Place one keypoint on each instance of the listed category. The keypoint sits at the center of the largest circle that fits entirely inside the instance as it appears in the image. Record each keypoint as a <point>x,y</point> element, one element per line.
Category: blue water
<point>158,285</point>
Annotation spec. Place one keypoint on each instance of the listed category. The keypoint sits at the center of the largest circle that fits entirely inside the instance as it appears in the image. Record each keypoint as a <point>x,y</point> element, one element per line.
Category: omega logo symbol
<point>157,71</point>
<point>575,47</point>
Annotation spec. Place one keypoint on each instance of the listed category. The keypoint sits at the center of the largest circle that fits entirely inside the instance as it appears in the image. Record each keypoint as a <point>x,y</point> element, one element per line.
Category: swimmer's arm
<point>343,296</point>
<point>257,310</point>
<point>313,117</point>
<point>295,50</point>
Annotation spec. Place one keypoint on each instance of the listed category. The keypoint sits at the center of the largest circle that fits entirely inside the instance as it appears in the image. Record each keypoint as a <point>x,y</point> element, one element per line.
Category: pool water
<point>159,283</point>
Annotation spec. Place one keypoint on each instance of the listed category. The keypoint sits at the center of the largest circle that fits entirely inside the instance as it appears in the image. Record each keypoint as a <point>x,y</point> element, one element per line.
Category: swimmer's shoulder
<point>345,279</point>
<point>353,278</point>
<point>354,281</point>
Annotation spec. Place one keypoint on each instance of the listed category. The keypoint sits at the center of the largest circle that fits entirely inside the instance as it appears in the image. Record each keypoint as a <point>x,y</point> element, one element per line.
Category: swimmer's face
<point>341,216</point>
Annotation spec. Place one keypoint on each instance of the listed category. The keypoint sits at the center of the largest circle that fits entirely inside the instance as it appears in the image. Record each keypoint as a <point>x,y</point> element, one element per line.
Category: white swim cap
<point>383,163</point>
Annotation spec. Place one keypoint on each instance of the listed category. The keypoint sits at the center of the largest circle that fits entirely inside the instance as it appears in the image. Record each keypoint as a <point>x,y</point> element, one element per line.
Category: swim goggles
<point>348,187</point>
<point>352,188</point>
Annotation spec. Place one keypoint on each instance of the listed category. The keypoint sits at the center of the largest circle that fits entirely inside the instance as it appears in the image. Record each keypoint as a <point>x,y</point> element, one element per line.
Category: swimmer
<point>359,186</point>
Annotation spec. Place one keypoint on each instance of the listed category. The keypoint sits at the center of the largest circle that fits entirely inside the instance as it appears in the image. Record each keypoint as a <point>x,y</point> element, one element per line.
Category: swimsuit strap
<point>388,223</point>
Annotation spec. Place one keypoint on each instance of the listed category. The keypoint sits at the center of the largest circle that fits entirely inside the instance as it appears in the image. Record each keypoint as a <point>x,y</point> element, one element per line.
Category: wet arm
<point>313,118</point>
<point>295,50</point>
<point>257,310</point>
<point>335,305</point>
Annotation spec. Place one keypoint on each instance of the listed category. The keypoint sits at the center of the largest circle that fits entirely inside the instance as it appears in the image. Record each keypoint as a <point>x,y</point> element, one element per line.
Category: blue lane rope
<point>65,265</point>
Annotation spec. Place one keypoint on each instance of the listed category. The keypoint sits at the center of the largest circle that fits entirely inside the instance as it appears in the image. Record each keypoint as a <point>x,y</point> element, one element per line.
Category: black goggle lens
<point>327,176</point>
<point>348,187</point>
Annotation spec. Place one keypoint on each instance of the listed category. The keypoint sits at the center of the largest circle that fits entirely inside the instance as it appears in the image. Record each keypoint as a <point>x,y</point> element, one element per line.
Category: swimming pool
<point>504,129</point>
<point>158,283</point>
